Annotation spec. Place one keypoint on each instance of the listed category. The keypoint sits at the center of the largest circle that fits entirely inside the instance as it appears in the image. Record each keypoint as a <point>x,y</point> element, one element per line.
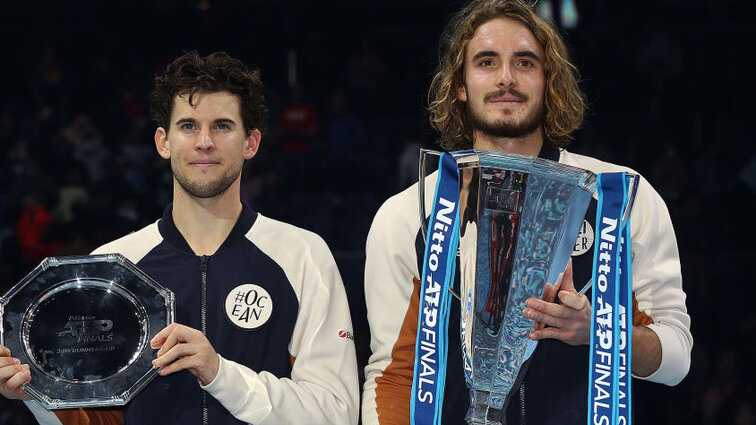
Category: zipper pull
<point>203,263</point>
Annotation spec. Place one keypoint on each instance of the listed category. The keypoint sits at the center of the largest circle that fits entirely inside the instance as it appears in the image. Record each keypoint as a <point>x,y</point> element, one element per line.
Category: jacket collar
<point>549,152</point>
<point>171,234</point>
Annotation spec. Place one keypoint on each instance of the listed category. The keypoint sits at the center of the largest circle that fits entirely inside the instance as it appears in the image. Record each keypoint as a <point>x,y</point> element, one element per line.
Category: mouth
<point>506,97</point>
<point>506,101</point>
<point>204,163</point>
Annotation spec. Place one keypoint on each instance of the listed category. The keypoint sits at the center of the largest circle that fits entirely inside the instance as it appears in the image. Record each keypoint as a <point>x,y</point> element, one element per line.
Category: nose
<point>204,141</point>
<point>506,78</point>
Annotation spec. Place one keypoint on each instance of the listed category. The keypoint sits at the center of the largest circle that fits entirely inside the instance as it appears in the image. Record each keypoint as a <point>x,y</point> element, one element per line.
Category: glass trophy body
<point>83,324</point>
<point>519,219</point>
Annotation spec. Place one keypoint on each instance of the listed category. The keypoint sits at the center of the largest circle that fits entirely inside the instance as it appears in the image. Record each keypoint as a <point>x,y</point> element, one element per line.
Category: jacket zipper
<point>203,322</point>
<point>522,404</point>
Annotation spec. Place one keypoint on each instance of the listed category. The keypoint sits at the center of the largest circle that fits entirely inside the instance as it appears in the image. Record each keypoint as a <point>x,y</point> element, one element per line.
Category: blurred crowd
<point>670,99</point>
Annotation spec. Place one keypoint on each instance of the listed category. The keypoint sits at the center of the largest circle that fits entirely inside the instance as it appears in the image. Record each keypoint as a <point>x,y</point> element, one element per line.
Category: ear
<point>462,93</point>
<point>253,143</point>
<point>162,144</point>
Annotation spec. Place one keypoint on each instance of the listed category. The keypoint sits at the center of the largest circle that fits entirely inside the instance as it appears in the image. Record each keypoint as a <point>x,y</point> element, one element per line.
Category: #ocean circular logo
<point>249,306</point>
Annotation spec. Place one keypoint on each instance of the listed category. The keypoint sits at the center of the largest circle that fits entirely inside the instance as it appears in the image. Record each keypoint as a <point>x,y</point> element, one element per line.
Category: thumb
<point>566,284</point>
<point>573,300</point>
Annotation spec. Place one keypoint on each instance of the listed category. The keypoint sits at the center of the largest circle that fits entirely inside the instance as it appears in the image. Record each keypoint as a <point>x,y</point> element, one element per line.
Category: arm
<point>323,386</point>
<point>647,351</point>
<point>657,286</point>
<point>392,310</point>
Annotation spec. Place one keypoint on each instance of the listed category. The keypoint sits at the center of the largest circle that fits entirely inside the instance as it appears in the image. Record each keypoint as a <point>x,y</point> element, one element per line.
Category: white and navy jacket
<point>272,304</point>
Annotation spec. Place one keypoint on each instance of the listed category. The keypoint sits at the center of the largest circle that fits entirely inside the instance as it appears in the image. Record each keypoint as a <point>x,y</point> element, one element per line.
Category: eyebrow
<point>518,54</point>
<point>527,54</point>
<point>484,54</point>
<point>228,121</point>
<point>185,121</point>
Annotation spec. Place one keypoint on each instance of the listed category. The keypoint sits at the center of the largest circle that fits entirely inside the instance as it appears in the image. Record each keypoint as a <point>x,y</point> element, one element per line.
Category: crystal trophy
<point>519,219</point>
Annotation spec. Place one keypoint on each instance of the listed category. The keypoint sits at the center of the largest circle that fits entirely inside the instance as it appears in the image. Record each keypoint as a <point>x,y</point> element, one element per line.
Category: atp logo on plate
<point>249,306</point>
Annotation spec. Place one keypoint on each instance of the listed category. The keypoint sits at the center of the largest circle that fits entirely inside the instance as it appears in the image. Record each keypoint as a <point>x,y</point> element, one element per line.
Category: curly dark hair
<point>190,74</point>
<point>565,103</point>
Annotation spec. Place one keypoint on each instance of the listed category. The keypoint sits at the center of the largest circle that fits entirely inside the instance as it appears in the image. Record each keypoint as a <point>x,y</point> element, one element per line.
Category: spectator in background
<point>84,140</point>
<point>72,194</point>
<point>298,123</point>
<point>31,227</point>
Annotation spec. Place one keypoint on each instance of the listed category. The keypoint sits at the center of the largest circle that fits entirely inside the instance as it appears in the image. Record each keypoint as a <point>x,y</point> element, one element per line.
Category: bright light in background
<point>568,13</point>
<point>546,10</point>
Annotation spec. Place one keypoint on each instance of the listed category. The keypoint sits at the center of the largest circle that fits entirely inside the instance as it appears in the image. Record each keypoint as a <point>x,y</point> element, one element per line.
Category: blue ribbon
<point>439,265</point>
<point>625,293</point>
<point>611,316</point>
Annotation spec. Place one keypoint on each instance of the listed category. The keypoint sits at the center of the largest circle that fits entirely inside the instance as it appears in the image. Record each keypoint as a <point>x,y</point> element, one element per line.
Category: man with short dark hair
<point>504,83</point>
<point>293,361</point>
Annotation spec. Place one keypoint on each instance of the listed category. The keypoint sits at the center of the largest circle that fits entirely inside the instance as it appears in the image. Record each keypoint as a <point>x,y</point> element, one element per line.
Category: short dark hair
<point>190,74</point>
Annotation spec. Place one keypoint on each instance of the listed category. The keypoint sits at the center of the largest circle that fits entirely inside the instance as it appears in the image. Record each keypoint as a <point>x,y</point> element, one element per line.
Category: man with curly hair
<point>263,331</point>
<point>505,83</point>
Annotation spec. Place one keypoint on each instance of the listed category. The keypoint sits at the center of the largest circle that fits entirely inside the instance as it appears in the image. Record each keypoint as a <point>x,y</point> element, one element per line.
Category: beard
<point>206,189</point>
<point>504,127</point>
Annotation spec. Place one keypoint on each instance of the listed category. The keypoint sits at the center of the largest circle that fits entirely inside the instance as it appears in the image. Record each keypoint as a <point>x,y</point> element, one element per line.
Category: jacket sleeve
<point>108,416</point>
<point>392,310</point>
<point>657,283</point>
<point>323,386</point>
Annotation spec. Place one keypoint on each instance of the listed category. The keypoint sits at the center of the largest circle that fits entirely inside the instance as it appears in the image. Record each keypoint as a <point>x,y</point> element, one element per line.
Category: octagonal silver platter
<point>84,324</point>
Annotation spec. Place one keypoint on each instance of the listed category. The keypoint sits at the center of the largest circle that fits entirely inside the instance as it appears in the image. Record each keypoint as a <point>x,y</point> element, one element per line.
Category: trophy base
<point>482,414</point>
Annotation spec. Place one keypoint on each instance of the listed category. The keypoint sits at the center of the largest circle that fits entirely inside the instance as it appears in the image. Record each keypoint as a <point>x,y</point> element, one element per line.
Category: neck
<point>206,222</point>
<point>529,145</point>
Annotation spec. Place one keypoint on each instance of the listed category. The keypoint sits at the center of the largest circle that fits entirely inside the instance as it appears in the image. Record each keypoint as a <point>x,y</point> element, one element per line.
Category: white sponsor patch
<point>584,240</point>
<point>249,306</point>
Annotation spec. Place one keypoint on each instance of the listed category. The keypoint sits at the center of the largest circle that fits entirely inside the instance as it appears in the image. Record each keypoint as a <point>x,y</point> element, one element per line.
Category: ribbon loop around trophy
<point>518,219</point>
<point>83,324</point>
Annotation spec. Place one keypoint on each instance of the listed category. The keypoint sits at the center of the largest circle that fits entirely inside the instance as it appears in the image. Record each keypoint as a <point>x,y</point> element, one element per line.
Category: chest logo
<point>248,306</point>
<point>584,240</point>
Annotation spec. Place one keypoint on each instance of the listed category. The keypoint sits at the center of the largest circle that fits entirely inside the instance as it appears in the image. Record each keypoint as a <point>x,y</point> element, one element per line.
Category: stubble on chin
<point>507,127</point>
<point>203,188</point>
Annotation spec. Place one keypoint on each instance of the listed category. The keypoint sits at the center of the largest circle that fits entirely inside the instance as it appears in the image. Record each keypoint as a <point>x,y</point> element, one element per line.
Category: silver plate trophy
<point>84,324</point>
<point>519,219</point>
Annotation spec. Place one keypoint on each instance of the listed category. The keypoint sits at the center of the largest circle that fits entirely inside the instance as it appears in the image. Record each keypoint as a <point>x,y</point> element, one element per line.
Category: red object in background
<point>298,124</point>
<point>30,228</point>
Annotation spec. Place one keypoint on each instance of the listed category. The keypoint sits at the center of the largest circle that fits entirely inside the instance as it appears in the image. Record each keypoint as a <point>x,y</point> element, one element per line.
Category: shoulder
<point>302,255</point>
<point>402,207</point>
<point>402,210</point>
<point>278,239</point>
<point>135,245</point>
<point>649,217</point>
<point>647,195</point>
<point>590,163</point>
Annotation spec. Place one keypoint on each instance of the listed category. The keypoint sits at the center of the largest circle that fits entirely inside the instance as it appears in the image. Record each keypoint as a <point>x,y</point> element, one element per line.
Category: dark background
<point>669,85</point>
